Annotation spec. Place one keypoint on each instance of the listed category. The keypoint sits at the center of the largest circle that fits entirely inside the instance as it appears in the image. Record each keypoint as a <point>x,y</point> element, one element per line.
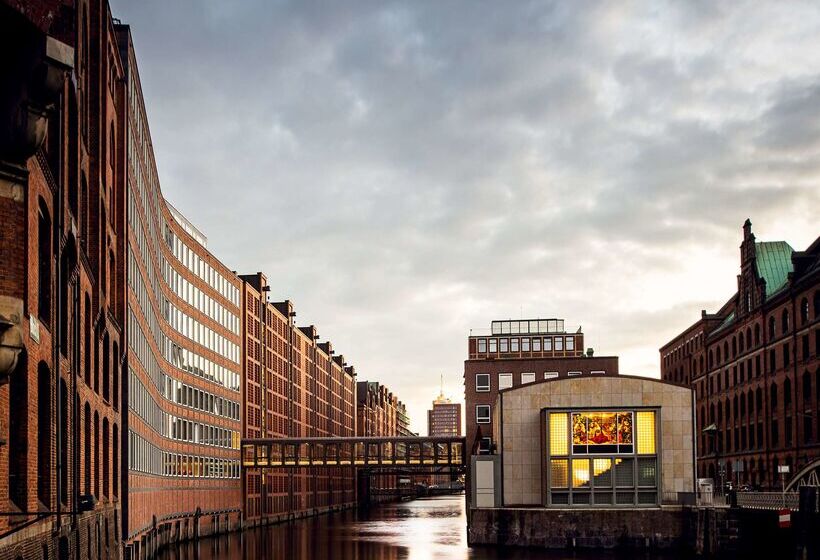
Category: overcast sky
<point>406,172</point>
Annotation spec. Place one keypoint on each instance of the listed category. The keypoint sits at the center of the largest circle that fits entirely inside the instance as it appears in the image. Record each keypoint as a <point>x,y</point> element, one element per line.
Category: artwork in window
<point>601,428</point>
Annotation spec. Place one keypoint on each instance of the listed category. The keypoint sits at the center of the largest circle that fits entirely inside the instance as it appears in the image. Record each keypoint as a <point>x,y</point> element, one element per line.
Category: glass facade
<point>601,457</point>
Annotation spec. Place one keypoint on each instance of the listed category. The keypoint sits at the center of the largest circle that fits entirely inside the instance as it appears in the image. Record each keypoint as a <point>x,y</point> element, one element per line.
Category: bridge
<point>394,455</point>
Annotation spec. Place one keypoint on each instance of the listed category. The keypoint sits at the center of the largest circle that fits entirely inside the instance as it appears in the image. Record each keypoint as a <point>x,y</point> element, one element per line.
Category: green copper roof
<point>774,263</point>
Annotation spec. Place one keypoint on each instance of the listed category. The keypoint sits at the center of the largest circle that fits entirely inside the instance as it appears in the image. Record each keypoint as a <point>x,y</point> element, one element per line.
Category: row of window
<point>530,326</point>
<point>183,394</point>
<point>191,362</point>
<point>504,345</point>
<point>199,333</point>
<point>145,457</point>
<point>200,267</point>
<point>204,434</point>
<point>505,380</point>
<point>199,299</point>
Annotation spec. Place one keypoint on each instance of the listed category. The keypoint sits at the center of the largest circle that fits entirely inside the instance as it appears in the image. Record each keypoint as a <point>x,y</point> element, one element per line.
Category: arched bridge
<point>385,454</point>
<point>809,475</point>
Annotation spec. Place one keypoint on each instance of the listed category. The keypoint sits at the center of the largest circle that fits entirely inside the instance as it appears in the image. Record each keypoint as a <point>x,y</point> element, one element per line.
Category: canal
<point>430,528</point>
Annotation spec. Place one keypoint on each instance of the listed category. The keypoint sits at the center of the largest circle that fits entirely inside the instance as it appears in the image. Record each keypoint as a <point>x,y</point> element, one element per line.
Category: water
<point>431,528</point>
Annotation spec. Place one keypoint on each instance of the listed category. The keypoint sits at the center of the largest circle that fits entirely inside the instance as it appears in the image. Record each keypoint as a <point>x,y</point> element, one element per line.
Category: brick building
<point>754,367</point>
<point>516,352</point>
<point>294,386</point>
<point>61,236</point>
<point>380,413</point>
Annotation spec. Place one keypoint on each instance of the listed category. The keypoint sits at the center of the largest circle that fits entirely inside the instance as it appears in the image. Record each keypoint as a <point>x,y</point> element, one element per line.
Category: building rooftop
<point>774,263</point>
<point>523,326</point>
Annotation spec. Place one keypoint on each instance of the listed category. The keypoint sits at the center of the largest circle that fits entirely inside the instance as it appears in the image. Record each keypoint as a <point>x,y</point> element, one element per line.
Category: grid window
<point>646,432</point>
<point>482,382</point>
<point>505,381</point>
<point>482,414</point>
<point>559,433</point>
<point>559,473</point>
<point>580,473</point>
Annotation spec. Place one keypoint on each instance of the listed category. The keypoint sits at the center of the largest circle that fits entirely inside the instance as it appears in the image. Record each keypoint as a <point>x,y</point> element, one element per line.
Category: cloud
<point>407,172</point>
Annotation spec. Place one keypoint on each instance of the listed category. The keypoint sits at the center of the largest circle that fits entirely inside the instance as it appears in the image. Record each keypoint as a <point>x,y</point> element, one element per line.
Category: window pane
<point>536,344</point>
<point>559,439</point>
<point>548,344</point>
<point>505,381</point>
<point>623,472</point>
<point>513,345</point>
<point>504,345</point>
<point>602,470</point>
<point>559,473</point>
<point>527,377</point>
<point>580,473</point>
<point>493,345</point>
<point>559,343</point>
<point>482,345</point>
<point>647,474</point>
<point>646,432</point>
<point>570,343</point>
<point>525,344</point>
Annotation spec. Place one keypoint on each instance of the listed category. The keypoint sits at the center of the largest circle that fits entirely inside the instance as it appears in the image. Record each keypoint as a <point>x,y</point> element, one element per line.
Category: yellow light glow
<point>559,473</point>
<point>580,473</point>
<point>559,436</point>
<point>646,432</point>
<point>601,465</point>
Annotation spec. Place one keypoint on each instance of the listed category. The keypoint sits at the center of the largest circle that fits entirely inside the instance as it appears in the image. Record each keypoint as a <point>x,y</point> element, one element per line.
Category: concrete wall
<point>519,434</point>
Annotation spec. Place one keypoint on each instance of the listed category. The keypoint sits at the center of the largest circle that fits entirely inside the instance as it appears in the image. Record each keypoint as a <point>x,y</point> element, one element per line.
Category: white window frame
<point>488,450</point>
<point>598,372</point>
<point>503,385</point>
<point>479,419</point>
<point>550,375</point>
<point>527,377</point>
<point>482,388</point>
<point>573,373</point>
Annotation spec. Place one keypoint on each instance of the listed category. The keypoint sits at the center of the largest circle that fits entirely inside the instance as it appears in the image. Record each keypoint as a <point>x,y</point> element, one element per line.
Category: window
<point>513,345</point>
<point>505,381</point>
<point>493,345</point>
<point>804,311</point>
<point>548,344</point>
<point>504,345</point>
<point>570,343</point>
<point>44,265</point>
<point>559,343</point>
<point>482,345</point>
<point>550,374</point>
<point>485,446</point>
<point>482,414</point>
<point>598,372</point>
<point>527,378</point>
<point>482,382</point>
<point>573,373</point>
<point>784,321</point>
<point>786,355</point>
<point>536,344</point>
<point>525,344</point>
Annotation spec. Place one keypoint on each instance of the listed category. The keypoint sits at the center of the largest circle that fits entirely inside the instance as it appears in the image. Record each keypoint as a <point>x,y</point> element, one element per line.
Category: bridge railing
<point>353,451</point>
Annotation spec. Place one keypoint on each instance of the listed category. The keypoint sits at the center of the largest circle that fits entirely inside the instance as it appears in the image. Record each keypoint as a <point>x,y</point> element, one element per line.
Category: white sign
<point>34,329</point>
<point>783,469</point>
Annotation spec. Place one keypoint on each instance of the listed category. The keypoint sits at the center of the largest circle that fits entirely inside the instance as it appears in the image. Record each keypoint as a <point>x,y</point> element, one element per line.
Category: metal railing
<point>769,500</point>
<point>702,498</point>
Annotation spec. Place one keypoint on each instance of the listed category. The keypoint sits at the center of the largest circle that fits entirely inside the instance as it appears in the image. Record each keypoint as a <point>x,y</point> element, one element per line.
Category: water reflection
<point>417,530</point>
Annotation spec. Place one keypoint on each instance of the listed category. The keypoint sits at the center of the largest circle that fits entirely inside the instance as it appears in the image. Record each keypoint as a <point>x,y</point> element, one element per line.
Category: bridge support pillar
<point>363,487</point>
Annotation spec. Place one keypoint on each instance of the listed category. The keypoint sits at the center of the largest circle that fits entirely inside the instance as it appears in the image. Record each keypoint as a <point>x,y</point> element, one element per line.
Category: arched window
<point>710,361</point>
<point>68,262</point>
<point>44,265</point>
<point>740,343</point>
<point>757,334</point>
<point>718,360</point>
<point>44,432</point>
<point>88,318</point>
<point>112,151</point>
<point>97,461</point>
<point>115,467</point>
<point>817,304</point>
<point>787,393</point>
<point>759,399</point>
<point>115,387</point>
<point>804,311</point>
<point>63,451</point>
<point>18,436</point>
<point>771,329</point>
<point>106,366</point>
<point>105,456</point>
<point>87,447</point>
<point>784,321</point>
<point>725,350</point>
<point>773,397</point>
<point>734,347</point>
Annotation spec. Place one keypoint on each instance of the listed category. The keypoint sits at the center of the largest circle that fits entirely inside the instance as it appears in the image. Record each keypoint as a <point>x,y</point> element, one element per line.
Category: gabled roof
<point>774,263</point>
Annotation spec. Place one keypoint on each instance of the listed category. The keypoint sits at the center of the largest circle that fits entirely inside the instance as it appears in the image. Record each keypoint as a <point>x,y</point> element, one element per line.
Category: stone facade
<point>518,428</point>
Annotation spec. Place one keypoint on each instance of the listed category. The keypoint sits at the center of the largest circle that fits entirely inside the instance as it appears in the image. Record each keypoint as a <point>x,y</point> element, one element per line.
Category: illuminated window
<point>602,471</point>
<point>559,473</point>
<point>559,437</point>
<point>646,432</point>
<point>580,473</point>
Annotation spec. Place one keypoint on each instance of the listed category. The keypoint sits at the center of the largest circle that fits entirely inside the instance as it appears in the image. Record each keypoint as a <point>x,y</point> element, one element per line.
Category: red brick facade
<point>294,386</point>
<point>754,367</point>
<point>60,245</point>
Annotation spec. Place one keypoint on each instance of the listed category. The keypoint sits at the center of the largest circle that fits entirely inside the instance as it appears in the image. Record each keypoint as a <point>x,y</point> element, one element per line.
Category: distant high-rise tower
<point>444,419</point>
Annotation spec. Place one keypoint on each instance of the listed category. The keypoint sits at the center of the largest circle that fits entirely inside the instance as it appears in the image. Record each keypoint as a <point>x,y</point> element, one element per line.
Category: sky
<point>408,171</point>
